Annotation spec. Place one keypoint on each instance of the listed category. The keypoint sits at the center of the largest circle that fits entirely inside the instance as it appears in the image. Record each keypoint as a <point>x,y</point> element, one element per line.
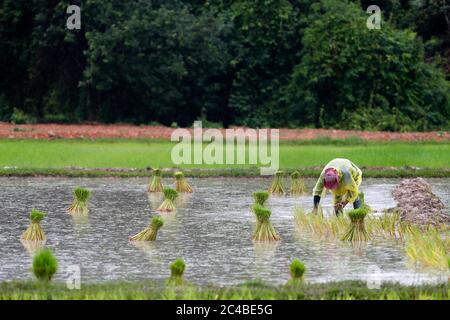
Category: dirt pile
<point>418,204</point>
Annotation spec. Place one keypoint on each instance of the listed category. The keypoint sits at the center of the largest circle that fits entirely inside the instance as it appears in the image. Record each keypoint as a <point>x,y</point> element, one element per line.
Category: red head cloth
<point>331,178</point>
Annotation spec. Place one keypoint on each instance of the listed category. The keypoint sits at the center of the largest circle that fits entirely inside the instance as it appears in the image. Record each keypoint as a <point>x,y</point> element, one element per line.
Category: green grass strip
<point>32,290</point>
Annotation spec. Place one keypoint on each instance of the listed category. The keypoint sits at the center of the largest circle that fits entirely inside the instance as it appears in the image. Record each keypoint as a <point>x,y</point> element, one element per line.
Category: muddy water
<point>211,230</point>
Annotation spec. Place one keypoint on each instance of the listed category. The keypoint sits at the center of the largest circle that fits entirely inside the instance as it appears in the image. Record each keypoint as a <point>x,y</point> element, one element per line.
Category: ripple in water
<point>211,230</point>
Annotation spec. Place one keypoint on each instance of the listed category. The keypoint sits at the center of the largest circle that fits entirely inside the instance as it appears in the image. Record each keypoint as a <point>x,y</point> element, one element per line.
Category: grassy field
<point>252,291</point>
<point>39,154</point>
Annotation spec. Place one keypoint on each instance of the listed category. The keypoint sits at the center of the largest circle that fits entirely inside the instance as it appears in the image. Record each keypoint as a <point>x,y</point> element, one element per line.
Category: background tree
<point>355,78</point>
<point>265,48</point>
<point>256,63</point>
<point>161,64</point>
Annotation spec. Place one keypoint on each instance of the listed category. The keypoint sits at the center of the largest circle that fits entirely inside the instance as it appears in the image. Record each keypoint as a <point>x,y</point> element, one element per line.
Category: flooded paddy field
<point>211,230</point>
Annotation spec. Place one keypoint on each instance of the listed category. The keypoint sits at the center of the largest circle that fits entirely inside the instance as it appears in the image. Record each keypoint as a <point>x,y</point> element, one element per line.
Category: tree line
<point>258,63</point>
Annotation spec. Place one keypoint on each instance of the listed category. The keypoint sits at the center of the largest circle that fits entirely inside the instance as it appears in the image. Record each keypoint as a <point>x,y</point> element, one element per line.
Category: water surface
<point>211,230</point>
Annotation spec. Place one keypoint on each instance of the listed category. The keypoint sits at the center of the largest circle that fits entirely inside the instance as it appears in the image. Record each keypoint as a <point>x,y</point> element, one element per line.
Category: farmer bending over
<point>343,178</point>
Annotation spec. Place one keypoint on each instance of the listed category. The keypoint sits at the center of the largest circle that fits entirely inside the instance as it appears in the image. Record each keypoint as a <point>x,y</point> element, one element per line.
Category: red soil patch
<point>99,131</point>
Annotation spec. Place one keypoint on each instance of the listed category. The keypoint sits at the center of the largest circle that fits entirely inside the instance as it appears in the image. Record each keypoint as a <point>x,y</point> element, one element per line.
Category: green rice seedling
<point>319,211</point>
<point>387,225</point>
<point>80,201</point>
<point>391,226</point>
<point>176,272</point>
<point>168,204</point>
<point>404,229</point>
<point>337,225</point>
<point>149,233</point>
<point>45,265</point>
<point>156,184</point>
<point>34,231</point>
<point>326,227</point>
<point>357,231</point>
<point>264,230</point>
<point>259,198</point>
<point>428,248</point>
<point>297,270</point>
<point>313,223</point>
<point>276,187</point>
<point>181,184</point>
<point>297,185</point>
<point>363,202</point>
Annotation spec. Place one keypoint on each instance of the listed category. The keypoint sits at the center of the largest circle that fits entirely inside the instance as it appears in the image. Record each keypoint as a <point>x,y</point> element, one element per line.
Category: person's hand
<point>314,210</point>
<point>340,206</point>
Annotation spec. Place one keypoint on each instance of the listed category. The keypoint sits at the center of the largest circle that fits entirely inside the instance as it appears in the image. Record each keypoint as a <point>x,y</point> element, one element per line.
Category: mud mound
<point>418,204</point>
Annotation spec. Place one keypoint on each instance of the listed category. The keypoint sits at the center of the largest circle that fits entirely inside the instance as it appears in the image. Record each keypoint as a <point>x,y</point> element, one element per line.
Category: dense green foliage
<point>255,290</point>
<point>45,265</point>
<point>257,63</point>
<point>36,216</point>
<point>297,269</point>
<point>177,268</point>
<point>357,78</point>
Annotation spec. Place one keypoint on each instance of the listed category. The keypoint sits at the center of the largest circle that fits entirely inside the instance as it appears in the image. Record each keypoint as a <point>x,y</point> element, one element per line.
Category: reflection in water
<point>149,248</point>
<point>155,199</point>
<point>358,247</point>
<point>80,223</point>
<point>183,199</point>
<point>264,255</point>
<point>211,230</point>
<point>32,246</point>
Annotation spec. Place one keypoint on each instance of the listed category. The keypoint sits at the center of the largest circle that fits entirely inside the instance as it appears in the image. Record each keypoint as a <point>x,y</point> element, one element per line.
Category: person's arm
<point>317,191</point>
<point>352,188</point>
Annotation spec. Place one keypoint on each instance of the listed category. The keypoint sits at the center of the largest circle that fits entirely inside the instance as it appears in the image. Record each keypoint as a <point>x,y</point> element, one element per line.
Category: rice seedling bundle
<point>80,201</point>
<point>264,230</point>
<point>307,222</point>
<point>149,233</point>
<point>181,184</point>
<point>259,198</point>
<point>429,248</point>
<point>363,201</point>
<point>44,265</point>
<point>388,225</point>
<point>156,182</point>
<point>327,227</point>
<point>357,230</point>
<point>34,231</point>
<point>176,272</point>
<point>297,270</point>
<point>276,187</point>
<point>168,204</point>
<point>297,186</point>
<point>404,229</point>
<point>337,225</point>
